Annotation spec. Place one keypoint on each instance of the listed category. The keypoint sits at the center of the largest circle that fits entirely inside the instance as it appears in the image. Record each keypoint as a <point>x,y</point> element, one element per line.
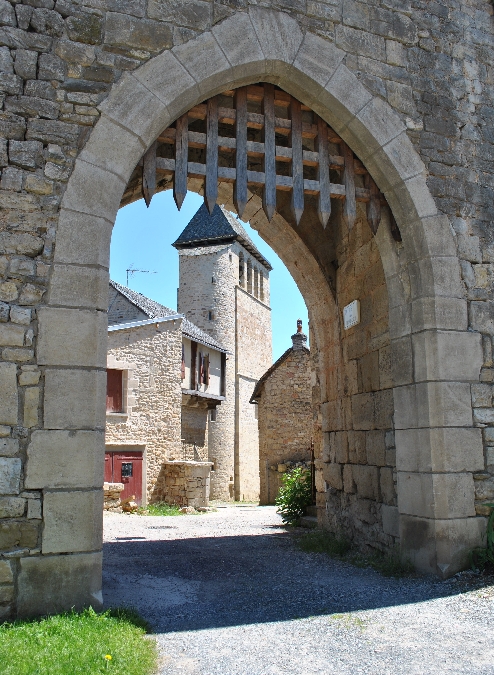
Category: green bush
<point>483,558</point>
<point>160,509</point>
<point>294,495</point>
<point>78,643</point>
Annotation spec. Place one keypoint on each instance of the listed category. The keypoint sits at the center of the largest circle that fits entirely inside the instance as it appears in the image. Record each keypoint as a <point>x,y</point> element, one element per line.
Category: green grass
<point>388,564</point>
<point>160,509</point>
<point>76,643</point>
<point>318,541</point>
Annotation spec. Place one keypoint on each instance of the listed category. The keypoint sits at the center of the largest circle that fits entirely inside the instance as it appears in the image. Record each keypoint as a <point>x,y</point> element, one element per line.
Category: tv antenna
<point>132,270</point>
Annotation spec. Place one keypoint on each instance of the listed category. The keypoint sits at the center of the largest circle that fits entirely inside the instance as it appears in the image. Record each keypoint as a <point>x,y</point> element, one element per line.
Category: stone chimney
<point>299,340</point>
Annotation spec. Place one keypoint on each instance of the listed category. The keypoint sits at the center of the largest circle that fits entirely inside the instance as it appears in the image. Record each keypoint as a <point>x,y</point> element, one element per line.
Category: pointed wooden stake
<point>240,189</point>
<point>324,210</point>
<point>269,194</point>
<point>374,204</point>
<point>211,184</point>
<point>181,158</point>
<point>297,157</point>
<point>350,208</point>
<point>149,174</point>
<point>395,230</point>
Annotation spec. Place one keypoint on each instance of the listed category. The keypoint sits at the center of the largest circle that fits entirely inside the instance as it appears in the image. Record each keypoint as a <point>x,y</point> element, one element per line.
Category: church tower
<point>224,289</point>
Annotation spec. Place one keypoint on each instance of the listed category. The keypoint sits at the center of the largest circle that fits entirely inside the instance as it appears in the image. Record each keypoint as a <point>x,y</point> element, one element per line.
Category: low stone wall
<point>185,483</point>
<point>111,496</point>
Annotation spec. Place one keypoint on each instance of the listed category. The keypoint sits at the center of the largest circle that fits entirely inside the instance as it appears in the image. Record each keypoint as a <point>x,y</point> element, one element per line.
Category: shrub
<point>294,495</point>
<point>483,558</point>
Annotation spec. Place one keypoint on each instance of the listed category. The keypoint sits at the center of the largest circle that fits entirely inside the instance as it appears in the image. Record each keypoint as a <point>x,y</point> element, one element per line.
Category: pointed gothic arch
<point>427,312</point>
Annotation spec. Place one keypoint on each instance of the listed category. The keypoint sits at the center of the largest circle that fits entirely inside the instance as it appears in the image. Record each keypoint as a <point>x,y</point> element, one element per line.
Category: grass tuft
<point>388,564</point>
<point>78,643</point>
<point>160,509</point>
<point>318,541</point>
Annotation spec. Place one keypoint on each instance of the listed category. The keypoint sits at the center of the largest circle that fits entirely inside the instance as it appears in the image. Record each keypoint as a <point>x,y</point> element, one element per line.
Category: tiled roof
<point>154,310</point>
<point>217,227</point>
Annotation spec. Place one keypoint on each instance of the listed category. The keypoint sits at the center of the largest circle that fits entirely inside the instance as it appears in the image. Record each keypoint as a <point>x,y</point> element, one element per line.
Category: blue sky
<point>142,239</point>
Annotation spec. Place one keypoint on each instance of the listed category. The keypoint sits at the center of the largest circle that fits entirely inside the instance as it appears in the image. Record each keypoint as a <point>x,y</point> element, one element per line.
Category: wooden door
<point>127,469</point>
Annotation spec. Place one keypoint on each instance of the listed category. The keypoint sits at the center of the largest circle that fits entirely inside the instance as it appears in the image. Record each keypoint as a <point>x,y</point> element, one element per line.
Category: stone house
<point>164,376</point>
<point>224,289</point>
<point>283,398</point>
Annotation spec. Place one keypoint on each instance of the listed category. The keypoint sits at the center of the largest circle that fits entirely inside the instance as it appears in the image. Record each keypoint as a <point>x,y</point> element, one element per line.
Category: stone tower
<point>224,289</point>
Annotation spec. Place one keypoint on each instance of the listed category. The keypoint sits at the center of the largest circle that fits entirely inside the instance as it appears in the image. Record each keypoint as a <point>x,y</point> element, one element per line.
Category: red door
<point>126,468</point>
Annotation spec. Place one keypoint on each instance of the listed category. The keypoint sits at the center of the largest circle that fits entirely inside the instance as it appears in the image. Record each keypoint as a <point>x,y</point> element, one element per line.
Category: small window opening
<point>212,415</point>
<point>249,277</point>
<point>241,270</point>
<point>211,315</point>
<point>256,282</point>
<point>261,286</point>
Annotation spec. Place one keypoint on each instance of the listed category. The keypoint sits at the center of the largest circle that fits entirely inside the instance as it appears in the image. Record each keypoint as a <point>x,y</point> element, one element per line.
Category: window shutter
<point>114,390</point>
<point>206,369</point>
<point>182,367</point>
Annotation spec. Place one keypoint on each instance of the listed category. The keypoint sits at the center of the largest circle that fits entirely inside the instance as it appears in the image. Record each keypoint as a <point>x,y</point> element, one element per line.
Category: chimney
<point>299,340</point>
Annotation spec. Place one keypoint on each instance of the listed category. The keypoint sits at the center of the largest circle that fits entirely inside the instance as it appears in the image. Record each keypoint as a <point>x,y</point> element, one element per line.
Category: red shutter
<point>182,368</point>
<point>114,390</point>
<point>201,369</point>
<point>206,369</point>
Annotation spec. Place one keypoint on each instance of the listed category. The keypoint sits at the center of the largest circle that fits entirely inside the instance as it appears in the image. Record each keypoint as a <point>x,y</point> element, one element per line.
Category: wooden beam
<point>350,207</point>
<point>324,205</point>
<point>181,159</point>
<point>374,204</point>
<point>211,184</point>
<point>269,194</point>
<point>240,189</point>
<point>297,165</point>
<point>149,174</point>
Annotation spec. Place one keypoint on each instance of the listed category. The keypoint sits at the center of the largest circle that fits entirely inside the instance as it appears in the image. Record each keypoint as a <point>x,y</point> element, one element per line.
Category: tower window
<point>241,270</point>
<point>212,415</point>
<point>211,315</point>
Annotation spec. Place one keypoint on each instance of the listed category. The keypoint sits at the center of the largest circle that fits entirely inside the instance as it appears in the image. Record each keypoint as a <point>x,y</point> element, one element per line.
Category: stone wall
<point>194,432</point>
<point>408,85</point>
<point>358,467</point>
<point>151,356</point>
<point>185,483</point>
<point>285,419</point>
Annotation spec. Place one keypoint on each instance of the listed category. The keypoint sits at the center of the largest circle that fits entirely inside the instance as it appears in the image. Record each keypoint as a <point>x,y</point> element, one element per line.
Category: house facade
<point>164,376</point>
<point>283,398</point>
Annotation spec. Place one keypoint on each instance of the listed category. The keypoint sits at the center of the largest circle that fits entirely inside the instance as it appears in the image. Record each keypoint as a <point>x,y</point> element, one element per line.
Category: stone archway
<point>427,310</point>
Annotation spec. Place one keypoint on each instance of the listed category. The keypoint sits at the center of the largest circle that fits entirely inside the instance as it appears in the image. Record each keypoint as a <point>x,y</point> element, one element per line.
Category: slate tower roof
<point>219,227</point>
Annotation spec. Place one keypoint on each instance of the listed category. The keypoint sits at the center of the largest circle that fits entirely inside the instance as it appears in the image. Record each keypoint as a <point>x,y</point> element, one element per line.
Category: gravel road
<point>229,593</point>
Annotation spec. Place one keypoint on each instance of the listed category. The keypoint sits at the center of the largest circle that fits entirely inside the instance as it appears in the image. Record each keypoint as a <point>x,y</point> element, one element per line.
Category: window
<point>212,415</point>
<point>256,411</point>
<point>261,285</point>
<point>241,270</point>
<point>211,315</point>
<point>203,368</point>
<point>249,277</point>
<point>182,366</point>
<point>114,391</point>
<point>256,282</point>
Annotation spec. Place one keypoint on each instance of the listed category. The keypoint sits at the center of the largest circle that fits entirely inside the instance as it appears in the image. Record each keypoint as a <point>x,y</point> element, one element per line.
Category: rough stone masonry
<point>86,87</point>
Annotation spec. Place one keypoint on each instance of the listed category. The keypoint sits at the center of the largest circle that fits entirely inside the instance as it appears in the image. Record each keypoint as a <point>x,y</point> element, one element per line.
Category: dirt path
<point>229,593</point>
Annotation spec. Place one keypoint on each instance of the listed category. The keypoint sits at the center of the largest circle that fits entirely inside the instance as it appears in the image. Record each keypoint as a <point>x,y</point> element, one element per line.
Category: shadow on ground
<point>214,582</point>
